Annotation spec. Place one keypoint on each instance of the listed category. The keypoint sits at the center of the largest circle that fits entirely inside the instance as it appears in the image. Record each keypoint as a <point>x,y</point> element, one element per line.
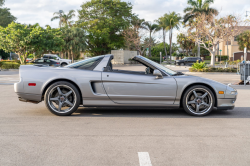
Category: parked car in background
<point>63,62</point>
<point>187,61</point>
<point>49,62</point>
<point>28,60</point>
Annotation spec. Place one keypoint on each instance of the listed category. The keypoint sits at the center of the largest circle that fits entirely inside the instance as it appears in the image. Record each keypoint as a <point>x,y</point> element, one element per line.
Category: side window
<point>47,60</point>
<point>50,57</point>
<point>40,60</point>
<point>45,56</point>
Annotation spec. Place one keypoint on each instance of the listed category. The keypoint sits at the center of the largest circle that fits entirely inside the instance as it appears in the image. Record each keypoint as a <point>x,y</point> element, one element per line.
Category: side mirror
<point>158,74</point>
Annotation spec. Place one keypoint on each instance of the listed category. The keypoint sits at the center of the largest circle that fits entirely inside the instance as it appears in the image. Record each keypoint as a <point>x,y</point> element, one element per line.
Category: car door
<point>48,62</point>
<point>39,61</point>
<point>194,60</point>
<point>139,89</point>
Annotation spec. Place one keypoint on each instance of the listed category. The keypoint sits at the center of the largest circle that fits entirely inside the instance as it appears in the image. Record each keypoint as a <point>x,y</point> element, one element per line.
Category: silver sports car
<point>96,83</point>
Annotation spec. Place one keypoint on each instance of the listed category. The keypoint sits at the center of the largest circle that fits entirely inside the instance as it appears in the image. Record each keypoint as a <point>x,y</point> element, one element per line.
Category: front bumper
<point>223,104</point>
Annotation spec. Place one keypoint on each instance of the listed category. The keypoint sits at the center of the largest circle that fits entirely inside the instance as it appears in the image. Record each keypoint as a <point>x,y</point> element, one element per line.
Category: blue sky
<point>41,11</point>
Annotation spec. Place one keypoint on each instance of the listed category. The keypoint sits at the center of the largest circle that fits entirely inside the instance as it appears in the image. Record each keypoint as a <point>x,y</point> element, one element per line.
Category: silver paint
<point>99,88</point>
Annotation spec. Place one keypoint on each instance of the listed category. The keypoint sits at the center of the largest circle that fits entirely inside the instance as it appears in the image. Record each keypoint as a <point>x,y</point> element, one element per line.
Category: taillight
<point>32,84</point>
<point>58,63</point>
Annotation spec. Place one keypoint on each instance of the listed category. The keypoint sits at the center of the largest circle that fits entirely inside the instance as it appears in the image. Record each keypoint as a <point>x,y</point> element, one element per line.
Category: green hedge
<point>207,57</point>
<point>9,65</point>
<point>212,69</point>
<point>155,59</point>
<point>223,57</point>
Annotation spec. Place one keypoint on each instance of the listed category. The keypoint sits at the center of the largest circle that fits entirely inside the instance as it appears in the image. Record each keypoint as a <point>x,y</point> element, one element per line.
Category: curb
<point>212,73</point>
<point>187,67</point>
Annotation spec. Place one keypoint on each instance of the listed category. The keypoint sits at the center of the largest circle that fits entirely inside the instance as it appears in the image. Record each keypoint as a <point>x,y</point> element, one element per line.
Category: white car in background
<point>63,62</point>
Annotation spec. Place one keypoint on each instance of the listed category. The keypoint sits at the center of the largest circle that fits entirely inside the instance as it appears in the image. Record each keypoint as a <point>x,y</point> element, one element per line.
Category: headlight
<point>234,93</point>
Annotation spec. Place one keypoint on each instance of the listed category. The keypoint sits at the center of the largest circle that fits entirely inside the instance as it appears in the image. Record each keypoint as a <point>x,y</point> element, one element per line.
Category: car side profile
<point>187,61</point>
<point>96,83</point>
<point>63,62</point>
<point>49,62</point>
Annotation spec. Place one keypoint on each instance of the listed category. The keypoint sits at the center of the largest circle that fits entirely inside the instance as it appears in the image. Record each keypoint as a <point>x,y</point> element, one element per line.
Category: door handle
<point>107,75</point>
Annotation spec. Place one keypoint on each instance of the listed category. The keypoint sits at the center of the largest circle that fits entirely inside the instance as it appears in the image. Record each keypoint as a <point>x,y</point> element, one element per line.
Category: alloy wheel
<point>62,99</point>
<point>199,101</point>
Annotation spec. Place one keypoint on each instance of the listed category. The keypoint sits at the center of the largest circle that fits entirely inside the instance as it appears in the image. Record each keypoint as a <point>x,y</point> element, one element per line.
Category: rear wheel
<point>62,98</point>
<point>198,100</point>
<point>63,64</point>
<point>182,64</point>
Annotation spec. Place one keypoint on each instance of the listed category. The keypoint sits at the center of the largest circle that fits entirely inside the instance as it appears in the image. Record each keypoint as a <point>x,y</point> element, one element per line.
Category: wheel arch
<point>204,84</point>
<point>63,63</point>
<point>62,79</point>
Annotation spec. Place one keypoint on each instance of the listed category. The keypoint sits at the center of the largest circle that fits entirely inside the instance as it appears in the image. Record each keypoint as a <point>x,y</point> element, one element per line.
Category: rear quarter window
<point>88,64</point>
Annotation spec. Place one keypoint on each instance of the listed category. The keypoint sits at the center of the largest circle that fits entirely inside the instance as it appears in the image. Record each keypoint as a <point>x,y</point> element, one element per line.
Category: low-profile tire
<point>198,100</point>
<point>63,64</point>
<point>62,98</point>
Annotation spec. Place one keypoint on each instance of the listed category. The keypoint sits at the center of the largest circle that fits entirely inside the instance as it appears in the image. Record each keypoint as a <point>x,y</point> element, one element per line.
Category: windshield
<point>185,58</point>
<point>167,70</point>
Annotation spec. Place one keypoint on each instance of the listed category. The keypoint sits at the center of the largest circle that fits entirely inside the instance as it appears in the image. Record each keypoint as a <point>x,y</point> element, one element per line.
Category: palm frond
<point>54,18</point>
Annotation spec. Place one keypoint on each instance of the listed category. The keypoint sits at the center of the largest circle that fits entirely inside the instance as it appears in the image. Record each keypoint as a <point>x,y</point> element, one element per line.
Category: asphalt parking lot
<point>31,135</point>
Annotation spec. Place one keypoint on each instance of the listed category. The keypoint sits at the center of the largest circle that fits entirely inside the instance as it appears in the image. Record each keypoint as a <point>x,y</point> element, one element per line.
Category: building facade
<point>231,48</point>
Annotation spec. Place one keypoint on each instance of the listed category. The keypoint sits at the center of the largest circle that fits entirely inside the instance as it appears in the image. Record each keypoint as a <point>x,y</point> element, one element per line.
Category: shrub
<point>155,59</point>
<point>9,65</point>
<point>175,54</point>
<point>207,58</point>
<point>212,69</point>
<point>198,65</point>
<point>223,57</point>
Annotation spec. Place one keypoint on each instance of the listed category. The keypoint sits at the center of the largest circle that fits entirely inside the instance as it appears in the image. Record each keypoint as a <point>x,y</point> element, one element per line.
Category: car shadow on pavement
<point>238,112</point>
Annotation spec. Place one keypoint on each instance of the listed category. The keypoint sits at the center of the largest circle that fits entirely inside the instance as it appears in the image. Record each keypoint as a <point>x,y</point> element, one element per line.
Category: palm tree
<point>152,28</point>
<point>75,41</point>
<point>172,21</point>
<point>162,25</point>
<point>64,19</point>
<point>199,7</point>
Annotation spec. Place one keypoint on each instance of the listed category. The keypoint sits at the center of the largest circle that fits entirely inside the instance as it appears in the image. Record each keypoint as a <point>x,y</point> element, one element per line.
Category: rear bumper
<point>29,97</point>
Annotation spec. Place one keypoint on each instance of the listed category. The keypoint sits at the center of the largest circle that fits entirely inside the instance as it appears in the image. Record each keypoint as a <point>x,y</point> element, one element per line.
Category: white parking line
<point>144,159</point>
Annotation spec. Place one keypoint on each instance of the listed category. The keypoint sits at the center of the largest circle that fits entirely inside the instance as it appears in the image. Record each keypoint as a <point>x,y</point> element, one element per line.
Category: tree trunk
<point>150,44</point>
<point>164,43</point>
<point>213,56</point>
<point>199,50</point>
<point>20,59</point>
<point>170,43</point>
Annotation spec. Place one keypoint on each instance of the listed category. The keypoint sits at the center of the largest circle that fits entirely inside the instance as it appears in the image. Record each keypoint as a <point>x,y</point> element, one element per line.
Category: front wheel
<point>62,98</point>
<point>198,100</point>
